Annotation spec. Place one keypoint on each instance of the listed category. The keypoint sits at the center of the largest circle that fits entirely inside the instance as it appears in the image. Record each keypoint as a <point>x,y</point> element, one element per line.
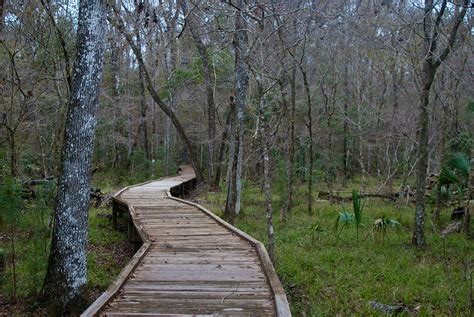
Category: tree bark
<point>290,151</point>
<point>267,181</point>
<point>115,60</point>
<point>241,83</point>
<point>286,205</point>
<point>345,128</point>
<point>422,164</point>
<point>143,127</point>
<point>2,12</point>
<point>310,134</point>
<point>232,168</point>
<point>222,149</point>
<point>66,274</point>
<point>470,198</point>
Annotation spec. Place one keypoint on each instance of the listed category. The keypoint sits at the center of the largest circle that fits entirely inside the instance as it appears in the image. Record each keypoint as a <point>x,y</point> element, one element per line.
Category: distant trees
<point>67,272</point>
<point>118,22</point>
<point>338,80</point>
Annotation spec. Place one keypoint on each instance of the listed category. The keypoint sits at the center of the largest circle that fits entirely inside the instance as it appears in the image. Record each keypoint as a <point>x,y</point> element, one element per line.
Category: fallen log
<point>453,227</point>
<point>34,182</point>
<point>97,197</point>
<point>331,196</point>
<point>394,309</point>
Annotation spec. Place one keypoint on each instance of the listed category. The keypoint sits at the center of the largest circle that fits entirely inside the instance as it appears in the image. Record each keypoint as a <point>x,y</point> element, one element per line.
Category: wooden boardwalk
<point>191,263</point>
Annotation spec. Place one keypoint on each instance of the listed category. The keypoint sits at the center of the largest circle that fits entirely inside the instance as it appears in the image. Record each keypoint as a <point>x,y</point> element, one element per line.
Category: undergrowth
<point>25,235</point>
<point>329,274</point>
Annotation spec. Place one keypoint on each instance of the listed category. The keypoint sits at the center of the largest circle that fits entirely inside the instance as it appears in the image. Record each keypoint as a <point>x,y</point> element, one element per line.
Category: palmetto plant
<point>358,208</point>
<point>344,219</point>
<point>456,172</point>
<point>314,230</point>
<point>380,226</point>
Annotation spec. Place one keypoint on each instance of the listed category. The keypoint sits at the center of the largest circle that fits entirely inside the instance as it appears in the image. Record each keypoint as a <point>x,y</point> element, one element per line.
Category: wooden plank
<point>195,263</point>
<point>281,302</point>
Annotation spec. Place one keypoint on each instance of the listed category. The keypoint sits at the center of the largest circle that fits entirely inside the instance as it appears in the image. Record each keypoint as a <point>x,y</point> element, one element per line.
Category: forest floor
<point>329,275</point>
<point>324,274</point>
<point>108,252</point>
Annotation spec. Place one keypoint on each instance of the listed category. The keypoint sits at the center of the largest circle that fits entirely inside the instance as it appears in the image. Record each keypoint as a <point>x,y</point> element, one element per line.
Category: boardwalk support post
<point>114,214</point>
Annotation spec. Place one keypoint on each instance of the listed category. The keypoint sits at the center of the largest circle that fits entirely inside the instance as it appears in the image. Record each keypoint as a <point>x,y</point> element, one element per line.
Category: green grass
<point>326,276</point>
<point>103,264</point>
<point>32,243</point>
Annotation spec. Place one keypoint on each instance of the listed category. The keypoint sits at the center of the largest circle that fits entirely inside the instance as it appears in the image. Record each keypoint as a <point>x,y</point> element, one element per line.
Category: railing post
<point>114,214</point>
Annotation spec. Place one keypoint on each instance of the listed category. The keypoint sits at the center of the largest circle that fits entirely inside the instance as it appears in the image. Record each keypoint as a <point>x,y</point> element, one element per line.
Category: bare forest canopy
<point>362,61</point>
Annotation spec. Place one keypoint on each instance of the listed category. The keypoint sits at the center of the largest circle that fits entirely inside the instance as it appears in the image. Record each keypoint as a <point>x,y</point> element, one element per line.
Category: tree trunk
<point>290,152</point>
<point>2,11</point>
<point>422,164</point>
<point>345,149</point>
<point>13,154</point>
<point>208,80</point>
<point>432,59</point>
<point>231,169</point>
<point>66,274</point>
<point>267,181</point>
<point>241,82</point>
<point>310,134</point>
<point>470,198</point>
<point>115,60</point>
<point>143,127</point>
<point>225,135</point>
<point>289,110</point>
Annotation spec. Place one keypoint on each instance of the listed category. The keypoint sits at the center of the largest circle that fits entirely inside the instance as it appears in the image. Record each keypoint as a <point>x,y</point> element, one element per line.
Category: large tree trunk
<point>171,64</point>
<point>66,274</point>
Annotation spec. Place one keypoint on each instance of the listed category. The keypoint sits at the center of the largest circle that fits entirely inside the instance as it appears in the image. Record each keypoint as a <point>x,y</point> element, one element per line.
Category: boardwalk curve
<point>191,262</point>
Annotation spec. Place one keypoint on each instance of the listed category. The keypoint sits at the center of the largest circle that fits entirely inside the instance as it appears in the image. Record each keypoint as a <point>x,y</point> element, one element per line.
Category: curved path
<point>191,262</point>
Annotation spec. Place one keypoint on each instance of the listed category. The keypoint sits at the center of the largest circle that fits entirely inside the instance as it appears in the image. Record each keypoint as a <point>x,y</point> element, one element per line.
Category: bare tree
<point>432,56</point>
<point>118,22</point>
